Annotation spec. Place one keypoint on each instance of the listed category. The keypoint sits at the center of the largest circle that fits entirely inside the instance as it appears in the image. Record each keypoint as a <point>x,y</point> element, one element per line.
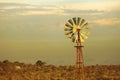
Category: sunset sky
<point>32,30</point>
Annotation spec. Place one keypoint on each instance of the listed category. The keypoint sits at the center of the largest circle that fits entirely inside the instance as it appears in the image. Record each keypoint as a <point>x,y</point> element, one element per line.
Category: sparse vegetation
<point>40,63</point>
<point>39,71</point>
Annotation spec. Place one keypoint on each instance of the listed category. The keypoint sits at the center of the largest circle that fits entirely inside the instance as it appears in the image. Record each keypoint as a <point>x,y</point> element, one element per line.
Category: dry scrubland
<point>41,71</point>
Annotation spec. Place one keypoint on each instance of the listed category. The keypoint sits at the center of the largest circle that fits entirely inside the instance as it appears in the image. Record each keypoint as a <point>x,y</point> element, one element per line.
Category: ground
<point>22,71</point>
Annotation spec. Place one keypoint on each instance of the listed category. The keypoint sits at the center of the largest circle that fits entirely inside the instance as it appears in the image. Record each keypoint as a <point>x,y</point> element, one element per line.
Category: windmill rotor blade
<point>68,25</point>
<point>67,29</point>
<point>72,35</point>
<point>68,33</point>
<point>82,22</point>
<point>81,38</point>
<point>73,39</point>
<point>84,25</point>
<point>85,28</point>
<point>78,20</point>
<point>68,37</point>
<point>70,21</point>
<point>74,20</point>
<point>85,33</point>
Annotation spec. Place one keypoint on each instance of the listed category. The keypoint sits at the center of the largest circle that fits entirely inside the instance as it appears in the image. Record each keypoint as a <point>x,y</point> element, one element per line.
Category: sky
<point>32,30</point>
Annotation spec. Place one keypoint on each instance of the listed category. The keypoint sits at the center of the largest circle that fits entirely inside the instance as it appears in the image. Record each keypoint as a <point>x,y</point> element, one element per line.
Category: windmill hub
<point>78,29</point>
<point>75,28</point>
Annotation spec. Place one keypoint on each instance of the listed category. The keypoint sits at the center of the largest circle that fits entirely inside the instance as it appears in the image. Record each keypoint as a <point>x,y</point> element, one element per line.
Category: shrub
<point>40,63</point>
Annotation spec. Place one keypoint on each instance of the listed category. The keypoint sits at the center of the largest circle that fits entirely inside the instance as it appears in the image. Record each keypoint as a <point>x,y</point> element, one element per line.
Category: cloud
<point>43,10</point>
<point>3,5</point>
<point>47,12</point>
<point>25,9</point>
<point>96,16</point>
<point>107,22</point>
<point>95,5</point>
<point>10,6</point>
<point>71,9</point>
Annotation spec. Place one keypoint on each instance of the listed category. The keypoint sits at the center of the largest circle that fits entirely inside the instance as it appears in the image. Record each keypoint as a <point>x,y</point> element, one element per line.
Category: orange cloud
<point>45,12</point>
<point>106,22</point>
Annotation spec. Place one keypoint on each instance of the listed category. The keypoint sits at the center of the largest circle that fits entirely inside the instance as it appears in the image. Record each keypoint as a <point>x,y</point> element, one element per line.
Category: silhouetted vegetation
<point>40,63</point>
<point>40,71</point>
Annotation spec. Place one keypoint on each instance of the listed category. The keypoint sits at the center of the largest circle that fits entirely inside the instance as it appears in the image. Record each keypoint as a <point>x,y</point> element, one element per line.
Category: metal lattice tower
<point>77,30</point>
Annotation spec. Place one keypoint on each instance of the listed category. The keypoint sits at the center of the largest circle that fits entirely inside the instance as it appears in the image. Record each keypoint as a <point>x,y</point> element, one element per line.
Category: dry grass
<point>21,71</point>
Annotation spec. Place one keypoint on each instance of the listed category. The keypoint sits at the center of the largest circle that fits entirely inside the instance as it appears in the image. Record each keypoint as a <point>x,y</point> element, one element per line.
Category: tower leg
<point>79,68</point>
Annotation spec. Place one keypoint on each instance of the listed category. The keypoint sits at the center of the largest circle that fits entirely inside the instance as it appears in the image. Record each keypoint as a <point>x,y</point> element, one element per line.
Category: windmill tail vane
<point>77,30</point>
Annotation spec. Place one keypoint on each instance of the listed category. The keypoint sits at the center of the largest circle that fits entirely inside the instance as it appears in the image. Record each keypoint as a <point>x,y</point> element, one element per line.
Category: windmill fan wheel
<point>73,25</point>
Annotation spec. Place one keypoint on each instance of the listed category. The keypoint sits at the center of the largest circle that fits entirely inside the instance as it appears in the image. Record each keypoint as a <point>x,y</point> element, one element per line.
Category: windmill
<point>77,30</point>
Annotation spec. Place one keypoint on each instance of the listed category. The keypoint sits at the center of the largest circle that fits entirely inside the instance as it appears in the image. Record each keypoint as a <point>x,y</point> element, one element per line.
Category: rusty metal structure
<point>77,30</point>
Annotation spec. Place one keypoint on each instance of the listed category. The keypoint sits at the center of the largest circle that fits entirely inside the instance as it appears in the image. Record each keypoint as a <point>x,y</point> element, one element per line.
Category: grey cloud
<point>15,8</point>
<point>91,15</point>
<point>82,11</point>
<point>27,7</point>
<point>85,13</point>
<point>2,5</point>
<point>19,8</point>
